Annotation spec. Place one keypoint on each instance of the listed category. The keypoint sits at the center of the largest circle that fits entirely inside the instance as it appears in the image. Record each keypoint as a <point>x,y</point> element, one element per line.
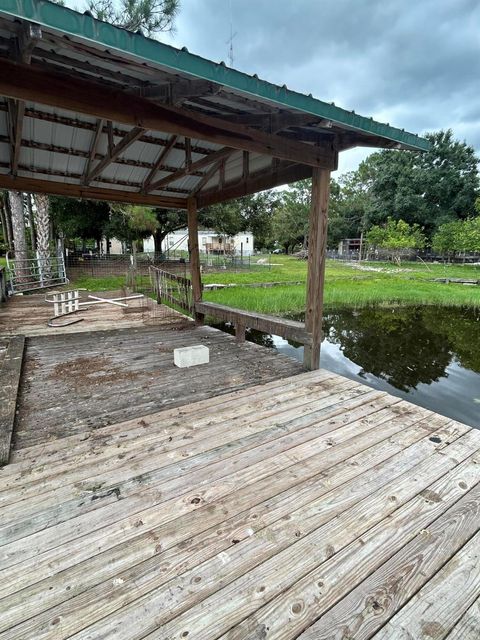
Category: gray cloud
<point>413,63</point>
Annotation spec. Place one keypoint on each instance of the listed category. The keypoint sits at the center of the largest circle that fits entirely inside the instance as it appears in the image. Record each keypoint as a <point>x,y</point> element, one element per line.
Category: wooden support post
<point>194,256</point>
<point>240,332</point>
<point>317,245</point>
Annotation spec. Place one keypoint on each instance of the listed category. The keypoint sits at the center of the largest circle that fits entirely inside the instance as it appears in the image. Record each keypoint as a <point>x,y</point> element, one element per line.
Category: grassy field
<point>347,285</point>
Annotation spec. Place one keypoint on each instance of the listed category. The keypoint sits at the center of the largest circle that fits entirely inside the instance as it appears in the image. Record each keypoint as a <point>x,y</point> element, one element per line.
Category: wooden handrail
<point>288,329</point>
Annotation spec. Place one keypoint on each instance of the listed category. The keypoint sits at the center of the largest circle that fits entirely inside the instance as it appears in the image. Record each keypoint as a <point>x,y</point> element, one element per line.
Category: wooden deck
<point>308,507</point>
<point>80,381</point>
<point>28,315</point>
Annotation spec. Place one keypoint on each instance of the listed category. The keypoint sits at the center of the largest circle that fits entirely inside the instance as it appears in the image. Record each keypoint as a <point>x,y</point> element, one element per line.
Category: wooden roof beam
<point>129,138</point>
<point>258,181</point>
<point>51,187</point>
<point>274,122</point>
<point>22,82</point>
<point>206,178</point>
<point>158,163</point>
<point>93,148</point>
<point>177,92</point>
<point>199,164</point>
<point>26,40</point>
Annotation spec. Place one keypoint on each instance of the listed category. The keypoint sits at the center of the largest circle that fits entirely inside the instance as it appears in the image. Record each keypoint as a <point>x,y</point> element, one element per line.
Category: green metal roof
<point>73,23</point>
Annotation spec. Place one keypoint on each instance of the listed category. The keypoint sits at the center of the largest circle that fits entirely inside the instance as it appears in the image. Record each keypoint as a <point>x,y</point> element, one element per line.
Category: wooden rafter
<point>257,182</point>
<point>89,126</point>
<point>93,148</point>
<point>188,155</point>
<point>158,163</point>
<point>34,185</point>
<point>131,137</point>
<point>18,113</point>
<point>206,178</point>
<point>245,165</point>
<point>22,82</point>
<point>181,90</point>
<point>62,173</point>
<point>110,143</point>
<point>80,153</point>
<point>199,164</point>
<point>221,174</point>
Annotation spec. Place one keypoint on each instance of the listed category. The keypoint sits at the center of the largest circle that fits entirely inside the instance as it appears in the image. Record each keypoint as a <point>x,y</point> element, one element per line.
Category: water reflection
<point>428,355</point>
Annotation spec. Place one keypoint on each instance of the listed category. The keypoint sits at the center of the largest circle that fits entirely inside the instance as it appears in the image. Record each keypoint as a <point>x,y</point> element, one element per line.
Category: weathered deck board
<point>309,507</point>
<point>78,382</point>
<point>28,315</point>
<point>11,359</point>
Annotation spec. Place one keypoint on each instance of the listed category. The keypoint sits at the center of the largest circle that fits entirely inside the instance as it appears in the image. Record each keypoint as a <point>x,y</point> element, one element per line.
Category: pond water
<point>427,355</point>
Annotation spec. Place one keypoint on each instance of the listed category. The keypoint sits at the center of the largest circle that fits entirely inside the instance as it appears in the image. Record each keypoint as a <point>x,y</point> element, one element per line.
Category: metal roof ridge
<point>84,26</point>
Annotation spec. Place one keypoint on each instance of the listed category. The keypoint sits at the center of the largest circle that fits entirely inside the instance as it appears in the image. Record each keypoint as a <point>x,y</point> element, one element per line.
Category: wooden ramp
<point>309,507</point>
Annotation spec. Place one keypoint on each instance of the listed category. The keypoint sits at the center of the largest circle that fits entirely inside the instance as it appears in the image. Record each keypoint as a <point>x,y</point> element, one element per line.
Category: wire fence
<point>97,266</point>
<point>379,255</point>
<point>172,289</point>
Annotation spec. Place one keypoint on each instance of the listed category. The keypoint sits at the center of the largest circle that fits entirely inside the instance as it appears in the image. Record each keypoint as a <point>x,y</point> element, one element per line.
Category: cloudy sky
<point>412,63</point>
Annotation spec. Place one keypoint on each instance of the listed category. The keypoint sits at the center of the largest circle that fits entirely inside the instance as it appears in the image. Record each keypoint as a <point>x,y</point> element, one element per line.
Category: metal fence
<point>35,273</point>
<point>97,266</point>
<point>408,255</point>
<point>172,289</point>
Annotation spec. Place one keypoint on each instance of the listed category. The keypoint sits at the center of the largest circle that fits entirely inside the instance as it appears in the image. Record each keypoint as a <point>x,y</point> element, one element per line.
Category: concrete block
<point>191,356</point>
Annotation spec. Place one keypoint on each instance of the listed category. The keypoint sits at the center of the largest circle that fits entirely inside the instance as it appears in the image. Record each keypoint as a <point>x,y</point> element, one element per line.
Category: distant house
<point>209,242</point>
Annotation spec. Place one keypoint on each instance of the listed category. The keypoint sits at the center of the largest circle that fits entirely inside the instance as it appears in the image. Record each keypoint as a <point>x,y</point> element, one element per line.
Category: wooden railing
<point>288,329</point>
<point>171,288</point>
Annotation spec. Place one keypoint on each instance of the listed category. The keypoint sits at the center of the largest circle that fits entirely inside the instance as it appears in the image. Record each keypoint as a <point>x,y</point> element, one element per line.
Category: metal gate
<point>35,273</point>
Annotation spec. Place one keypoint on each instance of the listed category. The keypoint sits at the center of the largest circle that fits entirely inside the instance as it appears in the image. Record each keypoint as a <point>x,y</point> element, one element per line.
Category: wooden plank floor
<point>307,507</point>
<point>75,382</point>
<point>28,315</point>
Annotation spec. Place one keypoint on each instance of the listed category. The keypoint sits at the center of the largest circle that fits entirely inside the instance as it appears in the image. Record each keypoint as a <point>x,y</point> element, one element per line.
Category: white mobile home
<point>209,242</point>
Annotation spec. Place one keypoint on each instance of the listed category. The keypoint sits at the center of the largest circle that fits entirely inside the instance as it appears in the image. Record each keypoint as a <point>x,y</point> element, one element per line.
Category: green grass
<point>345,285</point>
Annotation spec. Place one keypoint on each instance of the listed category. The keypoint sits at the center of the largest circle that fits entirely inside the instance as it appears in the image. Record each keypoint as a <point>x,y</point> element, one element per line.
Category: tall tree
<point>83,219</point>
<point>130,224</point>
<point>5,219</point>
<point>428,188</point>
<point>41,216</point>
<point>147,16</point>
<point>168,221</point>
<point>291,217</point>
<point>18,228</point>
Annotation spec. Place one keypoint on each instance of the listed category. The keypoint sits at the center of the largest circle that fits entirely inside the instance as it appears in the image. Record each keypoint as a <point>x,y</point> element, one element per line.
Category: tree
<point>349,200</point>
<point>291,217</point>
<point>84,219</point>
<point>131,223</point>
<point>41,216</point>
<point>5,220</point>
<point>168,221</point>
<point>460,236</point>
<point>397,236</point>
<point>446,239</point>
<point>18,225</point>
<point>147,16</point>
<point>428,188</point>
